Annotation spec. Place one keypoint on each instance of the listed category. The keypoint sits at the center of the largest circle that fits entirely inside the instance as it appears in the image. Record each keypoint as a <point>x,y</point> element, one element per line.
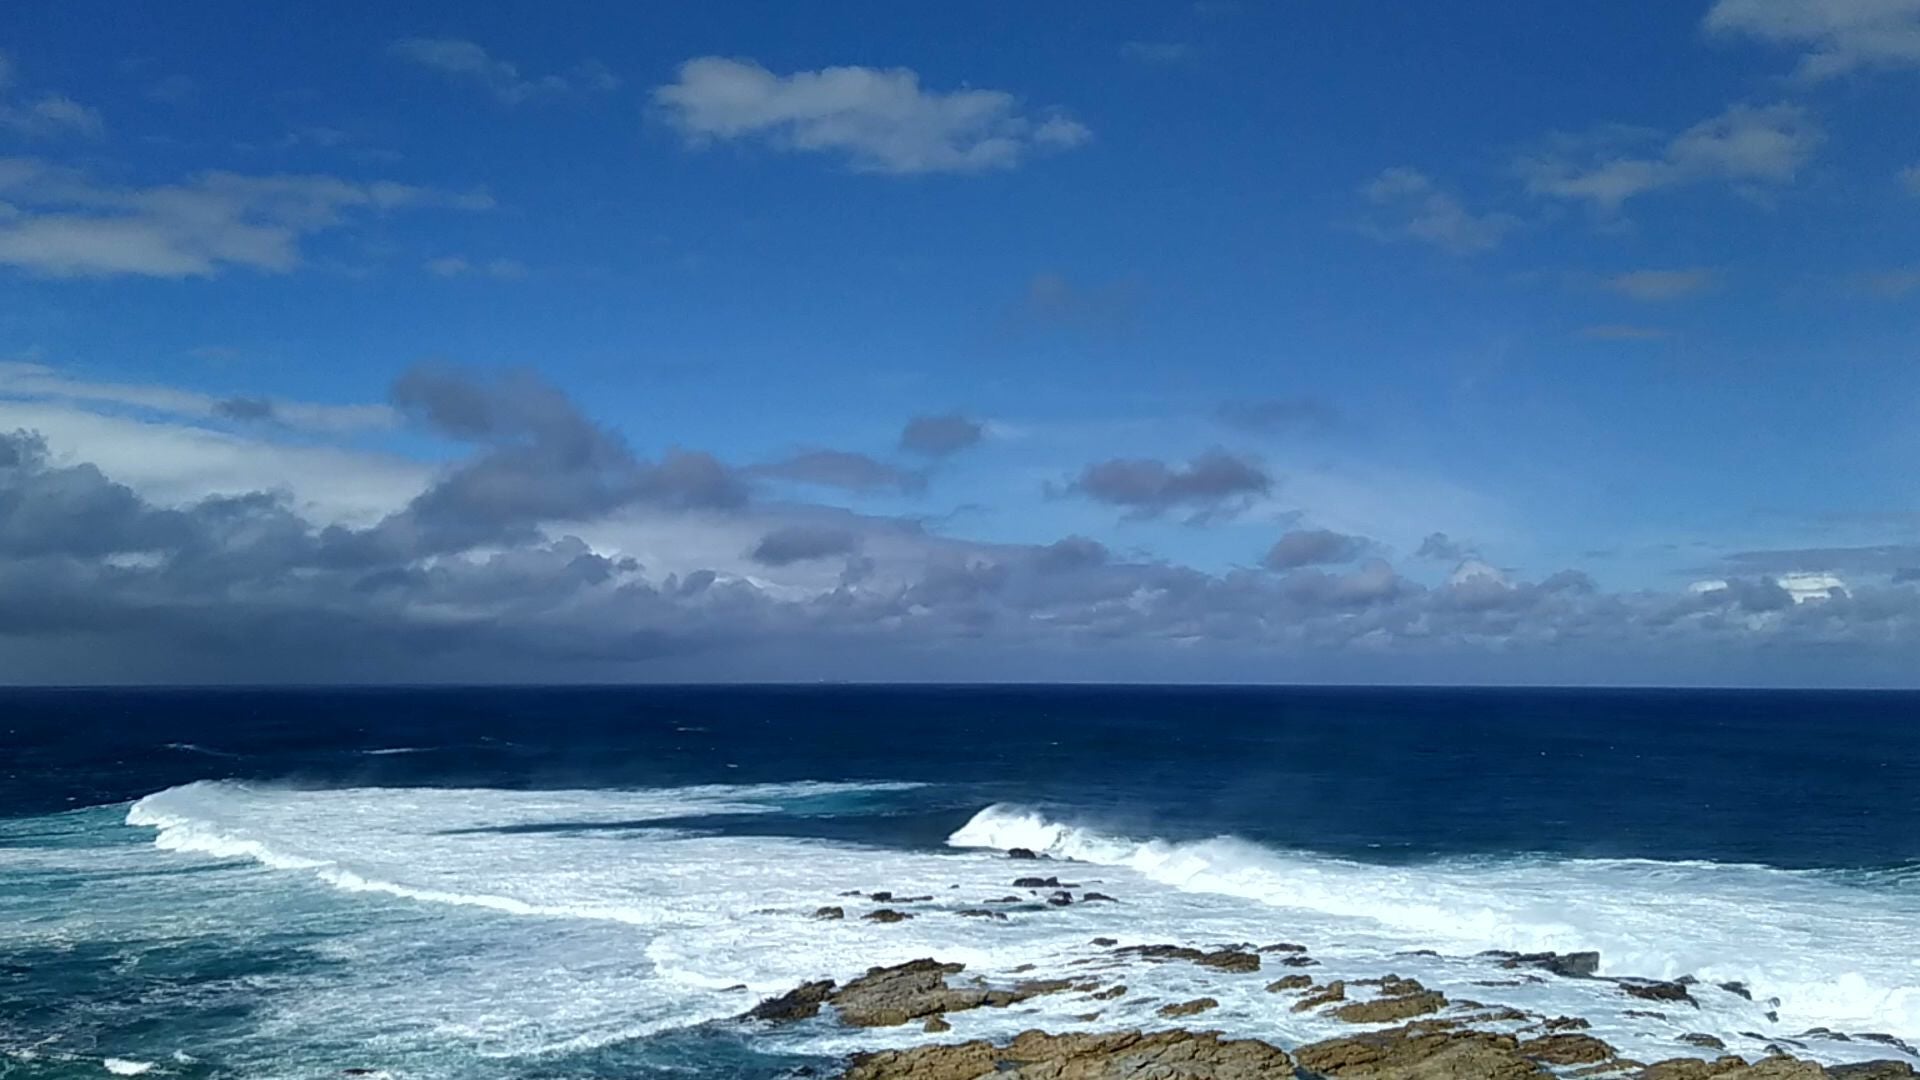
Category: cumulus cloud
<point>1752,148</point>
<point>1213,484</point>
<point>941,435</point>
<point>1662,284</point>
<point>469,63</point>
<point>843,469</point>
<point>43,114</point>
<point>1839,36</point>
<point>65,225</point>
<point>1314,547</point>
<point>1414,208</point>
<point>1441,548</point>
<point>878,120</point>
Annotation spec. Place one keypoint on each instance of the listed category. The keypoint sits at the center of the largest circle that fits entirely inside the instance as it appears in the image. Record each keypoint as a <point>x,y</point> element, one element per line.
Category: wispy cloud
<point>878,120</point>
<point>1662,284</point>
<point>42,114</point>
<point>469,63</point>
<point>40,382</point>
<point>1413,207</point>
<point>453,266</point>
<point>1839,36</point>
<point>1752,148</point>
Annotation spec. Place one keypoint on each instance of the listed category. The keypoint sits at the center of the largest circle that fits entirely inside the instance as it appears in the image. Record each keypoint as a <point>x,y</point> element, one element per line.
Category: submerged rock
<point>1705,1042</point>
<point>829,913</point>
<point>1325,995</point>
<point>1172,1055</point>
<point>1048,882</point>
<point>886,915</point>
<point>983,913</point>
<point>1021,853</point>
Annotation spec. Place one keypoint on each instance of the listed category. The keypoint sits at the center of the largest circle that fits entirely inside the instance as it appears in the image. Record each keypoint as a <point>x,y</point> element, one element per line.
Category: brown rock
<point>1566,1023</point>
<point>1110,992</point>
<point>936,1024</point>
<point>1290,982</point>
<point>1417,1052</point>
<point>1188,1008</point>
<point>890,996</point>
<point>1326,995</point>
<point>1234,960</point>
<point>886,915</point>
<point>1172,1055</point>
<point>1282,947</point>
<point>1105,942</point>
<point>1690,1069</point>
<point>1298,960</point>
<point>1659,991</point>
<point>1566,1049</point>
<point>1705,1042</point>
<point>1872,1070</point>
<point>983,913</point>
<point>799,1003</point>
<point>829,913</point>
<point>1383,1010</point>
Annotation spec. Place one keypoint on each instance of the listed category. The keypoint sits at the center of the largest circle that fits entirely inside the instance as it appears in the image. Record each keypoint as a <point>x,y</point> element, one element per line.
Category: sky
<point>1186,341</point>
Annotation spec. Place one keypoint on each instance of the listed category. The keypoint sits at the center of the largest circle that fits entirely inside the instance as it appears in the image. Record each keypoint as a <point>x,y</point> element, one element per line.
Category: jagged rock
<point>983,913</point>
<point>1326,995</point>
<point>1382,1010</point>
<point>1021,853</point>
<point>886,915</point>
<point>1419,1052</point>
<point>1872,1070</point>
<point>829,913</point>
<point>1299,960</point>
<point>1289,982</point>
<point>801,1002</point>
<point>1391,985</point>
<point>1060,899</point>
<point>1574,965</point>
<point>1220,959</point>
<point>1173,1055</point>
<point>1704,1041</point>
<point>1096,897</point>
<point>880,897</point>
<point>1566,1023</point>
<point>890,996</point>
<point>936,1024</point>
<point>1048,882</point>
<point>1739,988</point>
<point>1110,992</point>
<point>1188,1008</point>
<point>1283,947</point>
<point>1658,991</point>
<point>1566,1049</point>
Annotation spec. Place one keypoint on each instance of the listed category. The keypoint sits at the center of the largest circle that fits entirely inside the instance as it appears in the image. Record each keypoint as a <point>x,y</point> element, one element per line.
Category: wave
<point>1834,951</point>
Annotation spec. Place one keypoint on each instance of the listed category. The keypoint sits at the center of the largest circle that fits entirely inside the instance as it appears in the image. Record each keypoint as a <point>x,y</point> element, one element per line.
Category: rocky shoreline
<point>1402,1029</point>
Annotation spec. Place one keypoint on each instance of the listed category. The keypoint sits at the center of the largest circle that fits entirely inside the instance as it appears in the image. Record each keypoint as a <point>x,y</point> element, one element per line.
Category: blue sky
<point>1622,296</point>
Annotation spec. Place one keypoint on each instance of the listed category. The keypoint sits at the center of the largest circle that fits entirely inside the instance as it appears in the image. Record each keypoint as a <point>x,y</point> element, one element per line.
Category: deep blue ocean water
<point>548,882</point>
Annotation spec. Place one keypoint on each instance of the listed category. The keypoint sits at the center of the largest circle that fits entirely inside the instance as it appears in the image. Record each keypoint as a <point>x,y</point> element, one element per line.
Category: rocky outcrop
<point>1653,990</point>
<point>891,996</point>
<point>1566,1049</point>
<point>1130,1055</point>
<point>1573,965</point>
<point>1188,1008</point>
<point>1325,995</point>
<point>799,1003</point>
<point>1289,982</point>
<point>1872,1070</point>
<point>1393,1008</point>
<point>1420,1052</point>
<point>1235,960</point>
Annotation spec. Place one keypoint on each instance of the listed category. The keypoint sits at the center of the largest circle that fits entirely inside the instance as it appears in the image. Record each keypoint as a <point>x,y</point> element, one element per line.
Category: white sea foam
<point>124,1067</point>
<point>528,922</point>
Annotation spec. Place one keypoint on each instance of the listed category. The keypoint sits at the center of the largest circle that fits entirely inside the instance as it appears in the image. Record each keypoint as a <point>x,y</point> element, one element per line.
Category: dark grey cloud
<point>843,469</point>
<point>1069,554</point>
<point>1213,484</point>
<point>1314,547</point>
<point>1274,415</point>
<point>1442,548</point>
<point>799,543</point>
<point>941,435</point>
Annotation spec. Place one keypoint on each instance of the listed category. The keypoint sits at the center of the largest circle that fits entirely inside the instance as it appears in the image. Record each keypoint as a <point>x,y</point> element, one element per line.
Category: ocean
<point>489,883</point>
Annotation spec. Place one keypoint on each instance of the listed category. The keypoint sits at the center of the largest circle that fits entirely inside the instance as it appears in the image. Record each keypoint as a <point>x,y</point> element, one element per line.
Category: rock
<point>1886,1040</point>
<point>880,897</point>
<point>1110,992</point>
<point>1173,1055</point>
<point>1282,946</point>
<point>1021,853</point>
<point>1566,1023</point>
<point>829,913</point>
<point>1289,982</point>
<point>1872,1070</point>
<point>1705,1042</point>
<point>936,1024</point>
<point>800,1003</point>
<point>1060,899</point>
<point>1420,1052</point>
<point>1383,1010</point>
<point>1095,897</point>
<point>1391,985</point>
<point>886,915</point>
<point>1325,995</point>
<point>911,899</point>
<point>891,996</point>
<point>1574,965</point>
<point>1298,960</point>
<point>1188,1008</point>
<point>1232,960</point>
<point>735,988</point>
<point>1006,900</point>
<point>1658,991</point>
<point>1690,1069</point>
<point>1739,988</point>
<point>983,913</point>
<point>1037,883</point>
<point>1566,1049</point>
<point>1105,942</point>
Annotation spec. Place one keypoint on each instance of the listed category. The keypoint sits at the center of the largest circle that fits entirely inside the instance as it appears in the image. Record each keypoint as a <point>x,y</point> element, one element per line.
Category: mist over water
<point>581,882</point>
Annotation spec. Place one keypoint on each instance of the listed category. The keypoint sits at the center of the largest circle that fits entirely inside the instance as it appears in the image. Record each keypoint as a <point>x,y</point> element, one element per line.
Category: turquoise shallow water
<point>579,884</point>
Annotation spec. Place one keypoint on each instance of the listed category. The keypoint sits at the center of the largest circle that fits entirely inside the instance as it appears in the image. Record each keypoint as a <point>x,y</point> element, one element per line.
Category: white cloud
<point>1839,35</point>
<point>64,225</point>
<point>1661,284</point>
<point>880,120</point>
<point>45,114</point>
<point>1750,147</point>
<point>1910,179</point>
<point>39,382</point>
<point>450,266</point>
<point>1423,212</point>
<point>465,61</point>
